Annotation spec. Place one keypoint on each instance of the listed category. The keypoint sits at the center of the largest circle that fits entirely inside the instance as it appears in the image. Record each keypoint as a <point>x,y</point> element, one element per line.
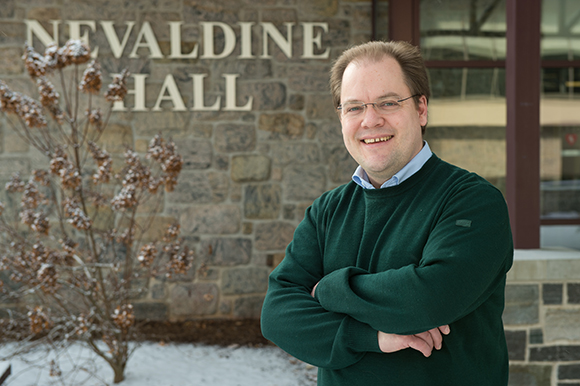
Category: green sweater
<point>431,251</point>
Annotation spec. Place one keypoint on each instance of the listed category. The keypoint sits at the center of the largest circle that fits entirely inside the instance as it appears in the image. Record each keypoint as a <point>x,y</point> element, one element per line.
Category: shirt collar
<point>361,178</point>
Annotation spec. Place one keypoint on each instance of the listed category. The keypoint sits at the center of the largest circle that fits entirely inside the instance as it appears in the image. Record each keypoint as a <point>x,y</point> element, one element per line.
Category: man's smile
<point>375,140</point>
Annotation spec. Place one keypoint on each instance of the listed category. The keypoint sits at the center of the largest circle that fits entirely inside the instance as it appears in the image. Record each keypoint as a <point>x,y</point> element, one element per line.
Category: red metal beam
<point>404,21</point>
<point>523,120</point>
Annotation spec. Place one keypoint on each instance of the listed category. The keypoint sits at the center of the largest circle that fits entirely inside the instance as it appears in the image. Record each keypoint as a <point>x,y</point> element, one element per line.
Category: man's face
<point>381,143</point>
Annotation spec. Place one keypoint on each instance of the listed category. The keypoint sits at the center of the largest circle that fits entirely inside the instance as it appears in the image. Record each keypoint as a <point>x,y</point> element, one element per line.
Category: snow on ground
<point>155,364</point>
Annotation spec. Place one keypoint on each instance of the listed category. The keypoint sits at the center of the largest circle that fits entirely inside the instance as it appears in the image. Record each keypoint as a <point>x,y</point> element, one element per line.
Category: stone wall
<point>542,318</point>
<point>248,175</point>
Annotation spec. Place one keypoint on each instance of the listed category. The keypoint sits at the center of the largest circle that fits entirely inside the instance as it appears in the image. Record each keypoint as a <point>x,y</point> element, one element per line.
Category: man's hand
<point>314,289</point>
<point>424,342</point>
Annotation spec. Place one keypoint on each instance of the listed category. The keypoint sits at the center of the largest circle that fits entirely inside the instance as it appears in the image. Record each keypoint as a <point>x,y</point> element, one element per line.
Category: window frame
<point>523,21</point>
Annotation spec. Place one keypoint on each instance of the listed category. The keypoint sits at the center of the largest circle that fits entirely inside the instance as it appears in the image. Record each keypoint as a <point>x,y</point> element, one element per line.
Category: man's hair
<point>407,55</point>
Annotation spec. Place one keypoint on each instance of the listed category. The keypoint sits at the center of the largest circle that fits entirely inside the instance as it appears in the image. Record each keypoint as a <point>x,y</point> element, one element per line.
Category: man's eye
<point>388,104</point>
<point>353,109</point>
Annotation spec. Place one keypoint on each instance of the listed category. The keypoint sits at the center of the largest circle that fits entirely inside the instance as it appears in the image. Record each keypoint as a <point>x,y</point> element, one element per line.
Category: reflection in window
<point>559,111</point>
<point>463,29</point>
<point>560,30</point>
<point>467,120</point>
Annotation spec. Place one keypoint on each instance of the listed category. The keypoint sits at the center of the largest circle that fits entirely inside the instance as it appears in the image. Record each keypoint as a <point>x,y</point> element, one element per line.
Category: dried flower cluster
<point>70,177</point>
<point>49,98</point>
<point>96,119</point>
<point>166,155</point>
<point>55,58</point>
<point>92,79</point>
<point>76,216</point>
<point>104,163</point>
<point>29,110</point>
<point>180,259</point>
<point>39,320</point>
<point>118,88</point>
<point>15,184</point>
<point>124,316</point>
<point>84,276</point>
<point>171,233</point>
<point>147,255</point>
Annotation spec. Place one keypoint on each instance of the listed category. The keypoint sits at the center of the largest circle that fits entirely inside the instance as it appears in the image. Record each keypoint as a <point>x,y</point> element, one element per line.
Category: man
<point>398,277</point>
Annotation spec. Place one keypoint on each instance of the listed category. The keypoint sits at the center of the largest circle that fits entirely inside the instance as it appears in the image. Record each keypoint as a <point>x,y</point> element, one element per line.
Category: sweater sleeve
<point>296,322</point>
<point>465,259</point>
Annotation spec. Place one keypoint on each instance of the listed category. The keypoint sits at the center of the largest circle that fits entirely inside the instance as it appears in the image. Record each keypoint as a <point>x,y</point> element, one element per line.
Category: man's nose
<point>371,117</point>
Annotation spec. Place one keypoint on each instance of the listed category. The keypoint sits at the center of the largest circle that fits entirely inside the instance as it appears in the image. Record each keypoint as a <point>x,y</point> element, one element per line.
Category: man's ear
<point>422,110</point>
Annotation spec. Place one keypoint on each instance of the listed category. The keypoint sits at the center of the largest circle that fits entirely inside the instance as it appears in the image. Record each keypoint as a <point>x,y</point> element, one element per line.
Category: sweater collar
<point>361,178</point>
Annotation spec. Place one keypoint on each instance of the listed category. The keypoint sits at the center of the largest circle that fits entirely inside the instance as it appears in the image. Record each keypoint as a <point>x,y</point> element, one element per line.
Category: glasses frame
<point>364,106</point>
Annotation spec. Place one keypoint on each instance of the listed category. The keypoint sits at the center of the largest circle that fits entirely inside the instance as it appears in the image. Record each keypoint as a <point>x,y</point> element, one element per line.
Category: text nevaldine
<point>146,41</point>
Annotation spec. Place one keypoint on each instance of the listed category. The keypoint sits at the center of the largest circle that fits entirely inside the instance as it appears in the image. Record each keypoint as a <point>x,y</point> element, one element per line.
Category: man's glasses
<point>385,105</point>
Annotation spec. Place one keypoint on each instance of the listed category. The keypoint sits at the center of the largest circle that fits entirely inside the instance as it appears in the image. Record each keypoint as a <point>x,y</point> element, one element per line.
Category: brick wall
<point>542,318</point>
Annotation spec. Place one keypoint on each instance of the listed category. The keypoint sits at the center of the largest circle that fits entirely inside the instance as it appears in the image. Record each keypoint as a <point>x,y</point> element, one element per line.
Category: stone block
<point>10,61</point>
<point>555,353</point>
<point>158,291</point>
<point>149,228</point>
<point>573,293</point>
<point>274,259</point>
<point>262,201</point>
<point>304,182</point>
<point>562,324</point>
<point>536,336</point>
<point>247,168</point>
<point>245,280</point>
<point>527,270</point>
<point>282,125</point>
<point>247,228</point>
<point>9,166</point>
<point>571,372</point>
<point>529,375</point>
<point>322,8</point>
<point>289,212</point>
<point>521,304</point>
<point>13,143</point>
<point>308,79</point>
<point>516,343</point>
<point>562,269</point>
<point>320,106</point>
<point>116,138</point>
<point>193,188</point>
<point>248,307</point>
<point>210,219</point>
<point>284,153</point>
<point>226,252</point>
<point>194,299</point>
<point>197,154</point>
<point>552,293</point>
<point>150,311</point>
<point>219,183</point>
<point>330,132</point>
<point>340,164</point>
<point>234,138</point>
<point>296,102</point>
<point>267,96</point>
<point>273,235</point>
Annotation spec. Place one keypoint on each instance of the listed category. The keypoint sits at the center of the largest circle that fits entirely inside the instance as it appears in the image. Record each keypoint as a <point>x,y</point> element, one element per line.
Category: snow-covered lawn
<point>157,364</point>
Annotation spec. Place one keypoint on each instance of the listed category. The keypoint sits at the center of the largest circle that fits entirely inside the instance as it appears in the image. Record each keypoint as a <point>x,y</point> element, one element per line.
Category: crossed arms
<point>423,342</point>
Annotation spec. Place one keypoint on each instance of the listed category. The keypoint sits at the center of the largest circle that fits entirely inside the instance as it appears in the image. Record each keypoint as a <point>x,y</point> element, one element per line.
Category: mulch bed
<point>220,332</point>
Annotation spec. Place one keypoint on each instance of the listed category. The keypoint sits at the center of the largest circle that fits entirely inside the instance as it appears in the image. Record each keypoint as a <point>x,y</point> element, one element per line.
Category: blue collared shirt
<point>362,179</point>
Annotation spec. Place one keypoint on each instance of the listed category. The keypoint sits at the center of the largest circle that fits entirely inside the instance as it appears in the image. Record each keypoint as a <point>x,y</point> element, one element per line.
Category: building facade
<point>242,88</point>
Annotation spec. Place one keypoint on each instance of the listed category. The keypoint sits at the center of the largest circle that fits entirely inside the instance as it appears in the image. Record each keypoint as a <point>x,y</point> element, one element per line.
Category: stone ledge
<point>545,265</point>
<point>546,254</point>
